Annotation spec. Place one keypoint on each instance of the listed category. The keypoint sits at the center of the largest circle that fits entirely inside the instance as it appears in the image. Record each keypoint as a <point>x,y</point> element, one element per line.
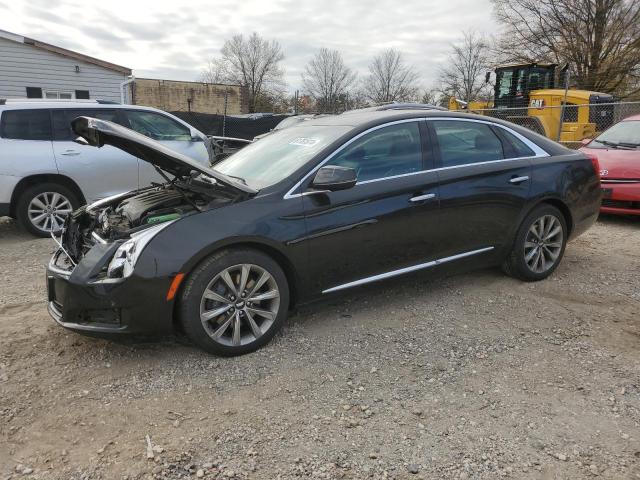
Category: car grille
<point>620,204</point>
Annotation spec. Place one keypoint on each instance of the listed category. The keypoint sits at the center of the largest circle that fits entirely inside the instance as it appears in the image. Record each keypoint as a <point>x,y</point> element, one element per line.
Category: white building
<point>33,69</point>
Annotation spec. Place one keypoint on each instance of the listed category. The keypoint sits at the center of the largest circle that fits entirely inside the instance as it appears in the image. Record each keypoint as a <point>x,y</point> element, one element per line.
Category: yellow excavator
<point>526,94</point>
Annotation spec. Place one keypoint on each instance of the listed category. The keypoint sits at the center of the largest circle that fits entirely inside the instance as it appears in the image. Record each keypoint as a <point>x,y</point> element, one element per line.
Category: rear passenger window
<point>386,152</point>
<point>513,146</point>
<point>26,125</point>
<point>61,120</point>
<point>463,143</point>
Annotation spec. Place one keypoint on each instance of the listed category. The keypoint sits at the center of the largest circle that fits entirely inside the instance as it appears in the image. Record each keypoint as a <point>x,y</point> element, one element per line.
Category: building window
<point>34,92</point>
<point>82,94</point>
<point>55,94</point>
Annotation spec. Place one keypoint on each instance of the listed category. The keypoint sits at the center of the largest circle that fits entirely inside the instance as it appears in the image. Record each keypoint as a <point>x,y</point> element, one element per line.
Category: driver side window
<point>386,152</point>
<point>157,126</point>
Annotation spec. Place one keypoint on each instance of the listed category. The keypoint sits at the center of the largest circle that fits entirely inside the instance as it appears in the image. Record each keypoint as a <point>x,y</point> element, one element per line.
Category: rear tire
<point>539,245</point>
<point>234,302</point>
<point>42,209</point>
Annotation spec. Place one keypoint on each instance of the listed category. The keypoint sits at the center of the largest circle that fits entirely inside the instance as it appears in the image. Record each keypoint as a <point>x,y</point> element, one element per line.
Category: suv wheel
<point>42,209</point>
<point>234,302</point>
<point>539,245</point>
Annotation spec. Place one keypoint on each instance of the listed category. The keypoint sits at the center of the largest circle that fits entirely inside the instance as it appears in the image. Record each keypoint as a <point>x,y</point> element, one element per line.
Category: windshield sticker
<point>304,142</point>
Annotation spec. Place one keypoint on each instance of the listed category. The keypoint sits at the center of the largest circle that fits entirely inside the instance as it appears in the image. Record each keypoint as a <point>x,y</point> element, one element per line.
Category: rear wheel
<point>539,245</point>
<point>235,302</point>
<point>42,209</point>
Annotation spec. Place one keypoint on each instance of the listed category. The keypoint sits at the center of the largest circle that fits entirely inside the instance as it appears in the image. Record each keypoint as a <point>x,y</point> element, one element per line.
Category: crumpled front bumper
<point>77,301</point>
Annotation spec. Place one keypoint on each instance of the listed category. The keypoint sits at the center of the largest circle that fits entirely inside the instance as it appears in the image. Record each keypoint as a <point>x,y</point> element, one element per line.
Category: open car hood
<point>102,132</point>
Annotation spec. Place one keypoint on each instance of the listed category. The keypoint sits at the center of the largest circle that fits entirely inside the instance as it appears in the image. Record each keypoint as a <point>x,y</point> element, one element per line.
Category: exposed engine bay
<point>141,209</point>
<point>150,207</point>
<point>190,187</point>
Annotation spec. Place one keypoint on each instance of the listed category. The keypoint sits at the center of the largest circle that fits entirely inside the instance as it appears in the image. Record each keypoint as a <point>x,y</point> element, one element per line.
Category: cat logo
<point>537,103</point>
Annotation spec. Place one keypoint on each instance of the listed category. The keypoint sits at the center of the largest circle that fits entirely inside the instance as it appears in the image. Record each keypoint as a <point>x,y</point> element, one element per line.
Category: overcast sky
<point>167,40</point>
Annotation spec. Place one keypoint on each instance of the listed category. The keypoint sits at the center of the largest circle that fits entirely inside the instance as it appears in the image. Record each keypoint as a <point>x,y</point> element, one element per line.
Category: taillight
<point>595,162</point>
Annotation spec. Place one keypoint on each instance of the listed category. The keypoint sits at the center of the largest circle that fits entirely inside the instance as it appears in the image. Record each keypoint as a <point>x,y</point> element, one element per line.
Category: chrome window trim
<point>538,151</point>
<point>364,182</point>
<point>401,271</point>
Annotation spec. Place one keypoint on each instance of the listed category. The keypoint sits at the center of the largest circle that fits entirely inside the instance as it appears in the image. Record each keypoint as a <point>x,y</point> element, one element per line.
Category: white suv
<point>45,174</point>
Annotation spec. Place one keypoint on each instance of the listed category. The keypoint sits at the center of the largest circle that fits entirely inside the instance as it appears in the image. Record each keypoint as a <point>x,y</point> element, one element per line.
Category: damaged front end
<point>126,222</point>
<point>123,225</point>
<point>92,282</point>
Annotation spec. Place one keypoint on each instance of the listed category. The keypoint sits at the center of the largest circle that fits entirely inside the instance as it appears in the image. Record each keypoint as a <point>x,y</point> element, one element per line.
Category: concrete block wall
<point>172,96</point>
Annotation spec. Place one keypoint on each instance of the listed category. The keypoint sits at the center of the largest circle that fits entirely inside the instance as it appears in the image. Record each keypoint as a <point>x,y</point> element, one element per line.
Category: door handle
<point>519,179</point>
<point>70,153</point>
<point>420,198</point>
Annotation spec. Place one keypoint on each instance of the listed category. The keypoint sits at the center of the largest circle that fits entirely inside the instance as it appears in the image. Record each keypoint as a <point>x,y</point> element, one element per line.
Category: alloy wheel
<point>239,305</point>
<point>543,244</point>
<point>48,211</point>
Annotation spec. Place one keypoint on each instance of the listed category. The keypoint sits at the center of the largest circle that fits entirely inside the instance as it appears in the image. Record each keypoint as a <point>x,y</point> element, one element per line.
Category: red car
<point>618,152</point>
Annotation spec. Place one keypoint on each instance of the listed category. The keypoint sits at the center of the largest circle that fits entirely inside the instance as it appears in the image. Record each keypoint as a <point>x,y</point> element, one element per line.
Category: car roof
<point>34,104</point>
<point>25,104</point>
<point>356,118</point>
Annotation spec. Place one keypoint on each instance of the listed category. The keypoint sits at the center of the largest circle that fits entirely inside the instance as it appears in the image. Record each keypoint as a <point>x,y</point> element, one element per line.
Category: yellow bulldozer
<point>526,94</point>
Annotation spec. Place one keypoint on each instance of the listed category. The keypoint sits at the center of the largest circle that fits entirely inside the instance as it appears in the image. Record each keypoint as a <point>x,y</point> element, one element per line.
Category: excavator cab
<point>515,82</point>
<point>526,94</point>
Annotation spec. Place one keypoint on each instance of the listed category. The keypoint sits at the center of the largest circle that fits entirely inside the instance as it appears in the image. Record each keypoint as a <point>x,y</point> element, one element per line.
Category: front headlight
<point>127,254</point>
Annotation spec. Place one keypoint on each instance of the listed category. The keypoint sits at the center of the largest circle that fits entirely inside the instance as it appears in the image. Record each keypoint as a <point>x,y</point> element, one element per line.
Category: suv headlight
<point>127,254</point>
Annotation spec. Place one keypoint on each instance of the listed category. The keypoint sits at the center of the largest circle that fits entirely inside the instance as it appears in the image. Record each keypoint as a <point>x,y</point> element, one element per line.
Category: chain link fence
<point>229,133</point>
<point>237,126</point>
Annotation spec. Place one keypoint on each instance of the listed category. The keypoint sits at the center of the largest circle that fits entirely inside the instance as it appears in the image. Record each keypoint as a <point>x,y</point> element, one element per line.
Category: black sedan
<point>330,204</point>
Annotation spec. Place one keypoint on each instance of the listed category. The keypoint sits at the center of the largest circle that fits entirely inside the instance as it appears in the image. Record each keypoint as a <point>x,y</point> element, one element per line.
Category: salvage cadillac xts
<point>336,202</point>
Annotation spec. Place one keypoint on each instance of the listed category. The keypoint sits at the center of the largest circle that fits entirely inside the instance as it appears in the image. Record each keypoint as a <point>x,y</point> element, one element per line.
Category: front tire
<point>234,302</point>
<point>42,209</point>
<point>539,245</point>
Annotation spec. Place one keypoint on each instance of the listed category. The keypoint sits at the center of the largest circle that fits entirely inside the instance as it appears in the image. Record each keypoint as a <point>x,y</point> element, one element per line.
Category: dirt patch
<point>474,376</point>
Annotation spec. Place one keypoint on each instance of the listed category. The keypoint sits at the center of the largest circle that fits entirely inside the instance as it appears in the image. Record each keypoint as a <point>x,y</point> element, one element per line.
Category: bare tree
<point>253,62</point>
<point>327,79</point>
<point>433,96</point>
<point>600,39</point>
<point>214,72</point>
<point>464,76</point>
<point>391,79</point>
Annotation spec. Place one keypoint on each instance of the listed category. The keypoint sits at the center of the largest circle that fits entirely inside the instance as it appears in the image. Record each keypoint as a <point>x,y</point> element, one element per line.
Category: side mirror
<point>586,141</point>
<point>332,178</point>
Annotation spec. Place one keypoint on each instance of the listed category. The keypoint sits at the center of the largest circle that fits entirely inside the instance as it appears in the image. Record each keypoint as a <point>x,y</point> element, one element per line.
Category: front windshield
<point>625,134</point>
<point>274,157</point>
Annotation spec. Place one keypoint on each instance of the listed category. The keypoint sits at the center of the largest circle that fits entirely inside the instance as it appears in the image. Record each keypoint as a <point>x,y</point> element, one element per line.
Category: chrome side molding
<point>402,271</point>
<point>519,179</point>
<point>420,198</point>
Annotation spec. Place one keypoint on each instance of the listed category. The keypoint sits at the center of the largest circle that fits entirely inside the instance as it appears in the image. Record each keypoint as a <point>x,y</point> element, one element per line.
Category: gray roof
<point>63,51</point>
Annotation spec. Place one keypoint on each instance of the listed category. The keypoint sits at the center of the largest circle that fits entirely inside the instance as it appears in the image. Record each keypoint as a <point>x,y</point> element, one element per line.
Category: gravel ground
<point>473,376</point>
